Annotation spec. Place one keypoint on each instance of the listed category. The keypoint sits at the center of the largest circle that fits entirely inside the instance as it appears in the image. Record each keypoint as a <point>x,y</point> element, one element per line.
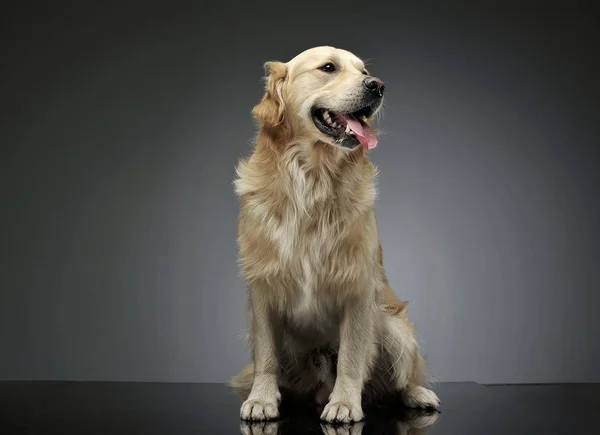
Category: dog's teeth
<point>347,128</point>
<point>327,118</point>
<point>335,124</point>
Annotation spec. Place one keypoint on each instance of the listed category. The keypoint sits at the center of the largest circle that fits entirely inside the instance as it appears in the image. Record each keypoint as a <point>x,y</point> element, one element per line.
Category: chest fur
<point>318,240</point>
<point>307,232</point>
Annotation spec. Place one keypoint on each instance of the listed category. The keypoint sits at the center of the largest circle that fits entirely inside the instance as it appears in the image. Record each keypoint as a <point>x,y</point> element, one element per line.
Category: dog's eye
<point>365,72</point>
<point>328,67</point>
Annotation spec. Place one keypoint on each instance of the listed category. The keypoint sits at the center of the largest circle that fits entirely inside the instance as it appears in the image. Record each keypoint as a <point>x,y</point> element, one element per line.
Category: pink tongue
<point>363,132</point>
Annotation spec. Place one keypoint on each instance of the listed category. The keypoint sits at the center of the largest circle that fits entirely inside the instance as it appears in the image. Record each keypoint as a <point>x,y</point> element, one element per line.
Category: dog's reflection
<point>408,422</point>
<point>259,427</point>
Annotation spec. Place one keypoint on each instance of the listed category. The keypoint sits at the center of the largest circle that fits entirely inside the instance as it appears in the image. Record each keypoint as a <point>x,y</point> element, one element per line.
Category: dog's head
<point>324,94</point>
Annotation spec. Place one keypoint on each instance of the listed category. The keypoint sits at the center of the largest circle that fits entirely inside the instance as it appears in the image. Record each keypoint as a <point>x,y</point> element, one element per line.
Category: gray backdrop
<point>121,127</point>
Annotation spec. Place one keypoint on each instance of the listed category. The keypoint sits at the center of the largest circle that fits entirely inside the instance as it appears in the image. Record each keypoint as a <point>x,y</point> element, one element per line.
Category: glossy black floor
<point>143,408</point>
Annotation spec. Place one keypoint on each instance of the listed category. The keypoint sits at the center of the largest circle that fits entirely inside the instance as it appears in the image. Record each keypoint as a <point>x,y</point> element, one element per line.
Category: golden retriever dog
<point>323,320</point>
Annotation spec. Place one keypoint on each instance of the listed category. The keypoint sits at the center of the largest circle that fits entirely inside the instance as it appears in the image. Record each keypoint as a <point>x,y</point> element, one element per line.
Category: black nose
<point>374,85</point>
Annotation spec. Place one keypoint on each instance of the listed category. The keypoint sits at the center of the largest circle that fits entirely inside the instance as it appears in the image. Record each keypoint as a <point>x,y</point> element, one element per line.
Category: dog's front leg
<point>263,400</point>
<point>355,358</point>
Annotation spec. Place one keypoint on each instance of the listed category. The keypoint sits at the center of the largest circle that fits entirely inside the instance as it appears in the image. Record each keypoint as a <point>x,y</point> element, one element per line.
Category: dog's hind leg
<point>406,365</point>
<point>324,369</point>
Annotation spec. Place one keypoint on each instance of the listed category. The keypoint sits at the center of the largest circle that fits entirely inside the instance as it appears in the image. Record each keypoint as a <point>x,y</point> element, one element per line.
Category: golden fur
<point>311,256</point>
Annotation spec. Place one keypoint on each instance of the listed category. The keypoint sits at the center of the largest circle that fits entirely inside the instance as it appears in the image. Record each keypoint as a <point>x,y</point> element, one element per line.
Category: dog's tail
<point>241,384</point>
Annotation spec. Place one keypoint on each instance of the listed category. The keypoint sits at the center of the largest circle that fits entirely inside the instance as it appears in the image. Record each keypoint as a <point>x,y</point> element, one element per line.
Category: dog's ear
<point>270,111</point>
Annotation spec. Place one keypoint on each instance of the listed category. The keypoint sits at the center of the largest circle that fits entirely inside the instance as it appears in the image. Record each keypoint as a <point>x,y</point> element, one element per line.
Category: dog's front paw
<point>420,397</point>
<point>342,412</point>
<point>259,410</point>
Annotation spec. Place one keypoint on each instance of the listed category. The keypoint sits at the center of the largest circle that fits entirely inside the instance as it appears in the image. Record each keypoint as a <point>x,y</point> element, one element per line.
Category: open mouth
<point>347,129</point>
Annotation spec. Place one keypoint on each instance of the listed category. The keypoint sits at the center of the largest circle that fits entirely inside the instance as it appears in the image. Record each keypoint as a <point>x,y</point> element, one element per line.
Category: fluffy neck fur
<point>302,204</point>
<point>314,178</point>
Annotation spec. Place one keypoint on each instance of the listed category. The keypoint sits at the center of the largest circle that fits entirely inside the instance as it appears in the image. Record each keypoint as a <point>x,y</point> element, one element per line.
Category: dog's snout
<point>374,85</point>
